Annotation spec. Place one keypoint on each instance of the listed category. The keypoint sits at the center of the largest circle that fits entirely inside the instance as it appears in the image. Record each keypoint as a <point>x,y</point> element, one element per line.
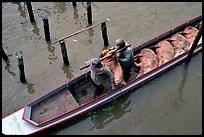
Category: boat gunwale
<point>108,92</point>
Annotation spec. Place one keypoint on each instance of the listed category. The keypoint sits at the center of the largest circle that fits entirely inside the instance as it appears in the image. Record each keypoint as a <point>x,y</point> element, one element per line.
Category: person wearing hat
<point>98,75</point>
<point>125,57</point>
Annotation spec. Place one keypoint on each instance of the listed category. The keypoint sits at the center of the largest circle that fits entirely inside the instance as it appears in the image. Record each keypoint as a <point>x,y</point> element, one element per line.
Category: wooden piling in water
<point>30,11</point>
<point>74,4</point>
<point>195,43</point>
<point>89,13</point>
<point>64,53</point>
<point>4,56</point>
<point>104,33</point>
<point>21,67</point>
<point>46,28</point>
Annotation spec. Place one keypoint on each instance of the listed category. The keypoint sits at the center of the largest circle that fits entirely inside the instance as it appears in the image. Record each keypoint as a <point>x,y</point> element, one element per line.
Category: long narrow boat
<point>75,97</point>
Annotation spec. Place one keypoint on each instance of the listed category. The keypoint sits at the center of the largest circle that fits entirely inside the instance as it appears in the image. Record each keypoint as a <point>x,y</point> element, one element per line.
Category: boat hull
<point>22,124</point>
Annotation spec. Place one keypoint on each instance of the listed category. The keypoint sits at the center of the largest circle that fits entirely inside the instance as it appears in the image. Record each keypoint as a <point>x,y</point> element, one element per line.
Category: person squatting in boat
<point>98,75</point>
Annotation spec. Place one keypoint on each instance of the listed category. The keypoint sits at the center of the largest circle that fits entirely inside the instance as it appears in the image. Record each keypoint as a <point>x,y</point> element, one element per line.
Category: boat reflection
<point>111,111</point>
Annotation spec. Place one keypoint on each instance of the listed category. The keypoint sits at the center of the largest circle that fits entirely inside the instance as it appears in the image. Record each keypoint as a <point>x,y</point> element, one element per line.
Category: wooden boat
<point>75,97</point>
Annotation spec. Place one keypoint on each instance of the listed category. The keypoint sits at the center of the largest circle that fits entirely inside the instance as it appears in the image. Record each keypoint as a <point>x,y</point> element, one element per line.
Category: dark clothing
<point>98,79</point>
<point>126,59</point>
<point>126,73</point>
<point>98,90</point>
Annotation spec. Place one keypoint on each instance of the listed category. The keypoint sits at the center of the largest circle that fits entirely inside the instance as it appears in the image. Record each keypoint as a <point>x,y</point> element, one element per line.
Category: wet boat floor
<point>68,99</point>
<point>85,91</point>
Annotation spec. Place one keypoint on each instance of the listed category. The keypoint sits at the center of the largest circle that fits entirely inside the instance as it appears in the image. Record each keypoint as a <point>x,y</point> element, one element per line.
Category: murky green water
<point>169,104</point>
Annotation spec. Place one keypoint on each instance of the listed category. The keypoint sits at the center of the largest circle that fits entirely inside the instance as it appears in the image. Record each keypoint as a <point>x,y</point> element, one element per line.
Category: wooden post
<point>4,56</point>
<point>46,28</point>
<point>195,43</point>
<point>89,13</point>
<point>74,4</point>
<point>30,11</point>
<point>64,53</point>
<point>104,33</point>
<point>21,67</point>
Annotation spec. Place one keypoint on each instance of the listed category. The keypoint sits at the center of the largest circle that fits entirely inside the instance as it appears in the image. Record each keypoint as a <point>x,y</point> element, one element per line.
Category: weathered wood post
<point>30,11</point>
<point>4,56</point>
<point>89,13</point>
<point>74,4</point>
<point>104,33</point>
<point>46,28</point>
<point>195,43</point>
<point>19,56</point>
<point>64,52</point>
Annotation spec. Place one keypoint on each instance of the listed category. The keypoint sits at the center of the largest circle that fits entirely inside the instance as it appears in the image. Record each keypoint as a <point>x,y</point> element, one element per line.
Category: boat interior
<point>81,91</point>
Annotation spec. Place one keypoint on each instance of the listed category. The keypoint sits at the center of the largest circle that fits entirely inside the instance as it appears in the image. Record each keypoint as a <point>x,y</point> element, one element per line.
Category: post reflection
<point>67,71</point>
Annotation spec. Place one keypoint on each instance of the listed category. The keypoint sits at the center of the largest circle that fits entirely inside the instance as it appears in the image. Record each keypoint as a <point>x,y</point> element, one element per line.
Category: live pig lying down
<point>115,67</point>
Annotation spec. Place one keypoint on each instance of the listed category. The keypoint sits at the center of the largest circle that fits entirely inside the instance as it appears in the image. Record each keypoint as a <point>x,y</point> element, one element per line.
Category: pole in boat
<point>115,51</point>
<point>104,33</point>
<point>89,14</point>
<point>74,4</point>
<point>46,28</point>
<point>195,42</point>
<point>4,56</point>
<point>64,52</point>
<point>30,11</point>
<point>19,56</point>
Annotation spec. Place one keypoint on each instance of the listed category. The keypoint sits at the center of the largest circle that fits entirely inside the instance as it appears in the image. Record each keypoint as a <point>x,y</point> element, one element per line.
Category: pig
<point>180,44</point>
<point>164,51</point>
<point>190,34</point>
<point>115,67</point>
<point>148,61</point>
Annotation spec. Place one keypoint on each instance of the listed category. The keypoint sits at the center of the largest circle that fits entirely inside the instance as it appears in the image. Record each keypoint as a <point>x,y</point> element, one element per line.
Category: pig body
<point>115,67</point>
<point>190,34</point>
<point>148,61</point>
<point>164,51</point>
<point>180,44</point>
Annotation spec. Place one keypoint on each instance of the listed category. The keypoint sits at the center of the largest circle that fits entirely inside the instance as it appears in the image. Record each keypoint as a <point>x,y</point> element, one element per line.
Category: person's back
<point>125,57</point>
<point>99,71</point>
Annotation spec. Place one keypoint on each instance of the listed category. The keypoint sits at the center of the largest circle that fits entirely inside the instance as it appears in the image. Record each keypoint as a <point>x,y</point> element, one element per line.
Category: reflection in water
<point>96,7</point>
<point>179,102</point>
<point>61,7</point>
<point>30,88</point>
<point>7,67</point>
<point>185,74</point>
<point>22,9</point>
<point>113,110</point>
<point>83,5</point>
<point>67,71</point>
<point>51,50</point>
<point>35,28</point>
<point>75,13</point>
<point>90,33</point>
